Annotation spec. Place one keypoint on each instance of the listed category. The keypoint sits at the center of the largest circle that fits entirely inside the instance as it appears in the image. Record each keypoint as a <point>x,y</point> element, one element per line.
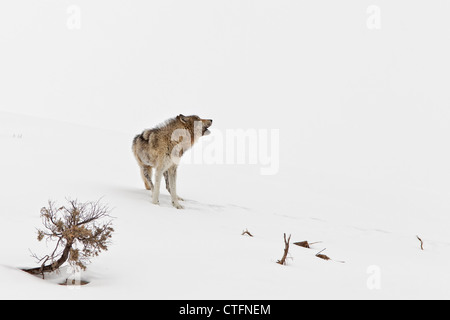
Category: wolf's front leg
<point>172,173</point>
<point>157,185</point>
<point>166,177</point>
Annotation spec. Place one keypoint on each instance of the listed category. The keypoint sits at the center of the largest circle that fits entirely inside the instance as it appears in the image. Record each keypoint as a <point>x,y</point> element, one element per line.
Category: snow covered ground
<point>361,165</point>
<point>159,252</point>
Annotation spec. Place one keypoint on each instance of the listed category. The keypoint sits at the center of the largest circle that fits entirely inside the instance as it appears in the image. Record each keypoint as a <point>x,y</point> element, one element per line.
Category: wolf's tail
<point>134,146</point>
<point>144,137</point>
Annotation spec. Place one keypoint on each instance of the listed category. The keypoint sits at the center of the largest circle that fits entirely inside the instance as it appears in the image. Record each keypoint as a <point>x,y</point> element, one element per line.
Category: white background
<point>363,114</point>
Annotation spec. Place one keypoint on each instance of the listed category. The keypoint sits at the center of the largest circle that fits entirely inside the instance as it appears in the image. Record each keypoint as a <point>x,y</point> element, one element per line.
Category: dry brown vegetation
<point>421,243</point>
<point>286,250</point>
<point>78,232</point>
<point>322,256</point>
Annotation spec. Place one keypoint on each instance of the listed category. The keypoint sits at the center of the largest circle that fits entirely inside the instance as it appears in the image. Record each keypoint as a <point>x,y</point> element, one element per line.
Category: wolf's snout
<point>206,125</point>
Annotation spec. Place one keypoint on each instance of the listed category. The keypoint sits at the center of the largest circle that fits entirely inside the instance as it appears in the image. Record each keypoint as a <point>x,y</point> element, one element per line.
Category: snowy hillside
<point>342,108</point>
<point>199,252</point>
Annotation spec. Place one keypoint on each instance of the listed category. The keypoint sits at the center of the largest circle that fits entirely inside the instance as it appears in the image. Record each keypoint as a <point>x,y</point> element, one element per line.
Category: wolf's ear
<point>182,118</point>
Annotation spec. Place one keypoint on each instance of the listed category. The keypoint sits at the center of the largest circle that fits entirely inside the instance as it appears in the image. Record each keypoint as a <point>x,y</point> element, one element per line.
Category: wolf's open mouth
<point>206,131</point>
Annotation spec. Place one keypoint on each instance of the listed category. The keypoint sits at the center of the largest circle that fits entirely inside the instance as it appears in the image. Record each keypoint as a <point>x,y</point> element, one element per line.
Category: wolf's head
<point>195,123</point>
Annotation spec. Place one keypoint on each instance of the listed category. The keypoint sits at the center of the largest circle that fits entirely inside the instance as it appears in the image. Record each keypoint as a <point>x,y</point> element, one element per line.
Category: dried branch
<point>303,244</point>
<point>246,232</point>
<point>306,244</point>
<point>286,250</point>
<point>421,243</point>
<point>322,256</point>
<point>325,257</point>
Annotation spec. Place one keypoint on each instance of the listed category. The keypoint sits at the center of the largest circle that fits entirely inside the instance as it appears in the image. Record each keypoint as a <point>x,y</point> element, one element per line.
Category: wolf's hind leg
<point>166,177</point>
<point>146,172</point>
<point>155,193</point>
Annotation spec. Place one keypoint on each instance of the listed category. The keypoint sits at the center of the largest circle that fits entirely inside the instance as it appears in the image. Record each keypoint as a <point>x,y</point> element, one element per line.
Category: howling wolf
<point>160,148</point>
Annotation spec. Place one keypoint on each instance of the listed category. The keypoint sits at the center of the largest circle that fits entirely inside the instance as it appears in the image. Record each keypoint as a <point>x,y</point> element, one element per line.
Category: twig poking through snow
<point>421,243</point>
<point>322,256</point>
<point>246,232</point>
<point>305,244</point>
<point>286,250</point>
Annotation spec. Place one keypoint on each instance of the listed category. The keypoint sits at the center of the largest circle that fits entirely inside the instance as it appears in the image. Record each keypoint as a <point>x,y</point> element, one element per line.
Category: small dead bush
<point>81,231</point>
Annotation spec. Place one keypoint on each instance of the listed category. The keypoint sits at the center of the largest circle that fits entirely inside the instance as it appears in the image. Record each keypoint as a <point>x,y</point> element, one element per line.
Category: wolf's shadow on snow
<point>165,200</point>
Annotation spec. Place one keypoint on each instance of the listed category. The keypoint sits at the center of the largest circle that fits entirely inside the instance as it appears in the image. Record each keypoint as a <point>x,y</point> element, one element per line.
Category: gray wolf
<point>161,148</point>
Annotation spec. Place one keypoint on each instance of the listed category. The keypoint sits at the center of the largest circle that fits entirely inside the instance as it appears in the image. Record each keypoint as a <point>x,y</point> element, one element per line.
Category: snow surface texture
<point>363,157</point>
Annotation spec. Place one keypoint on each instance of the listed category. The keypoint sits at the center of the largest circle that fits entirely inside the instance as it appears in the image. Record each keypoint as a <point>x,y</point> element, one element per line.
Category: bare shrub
<point>78,232</point>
